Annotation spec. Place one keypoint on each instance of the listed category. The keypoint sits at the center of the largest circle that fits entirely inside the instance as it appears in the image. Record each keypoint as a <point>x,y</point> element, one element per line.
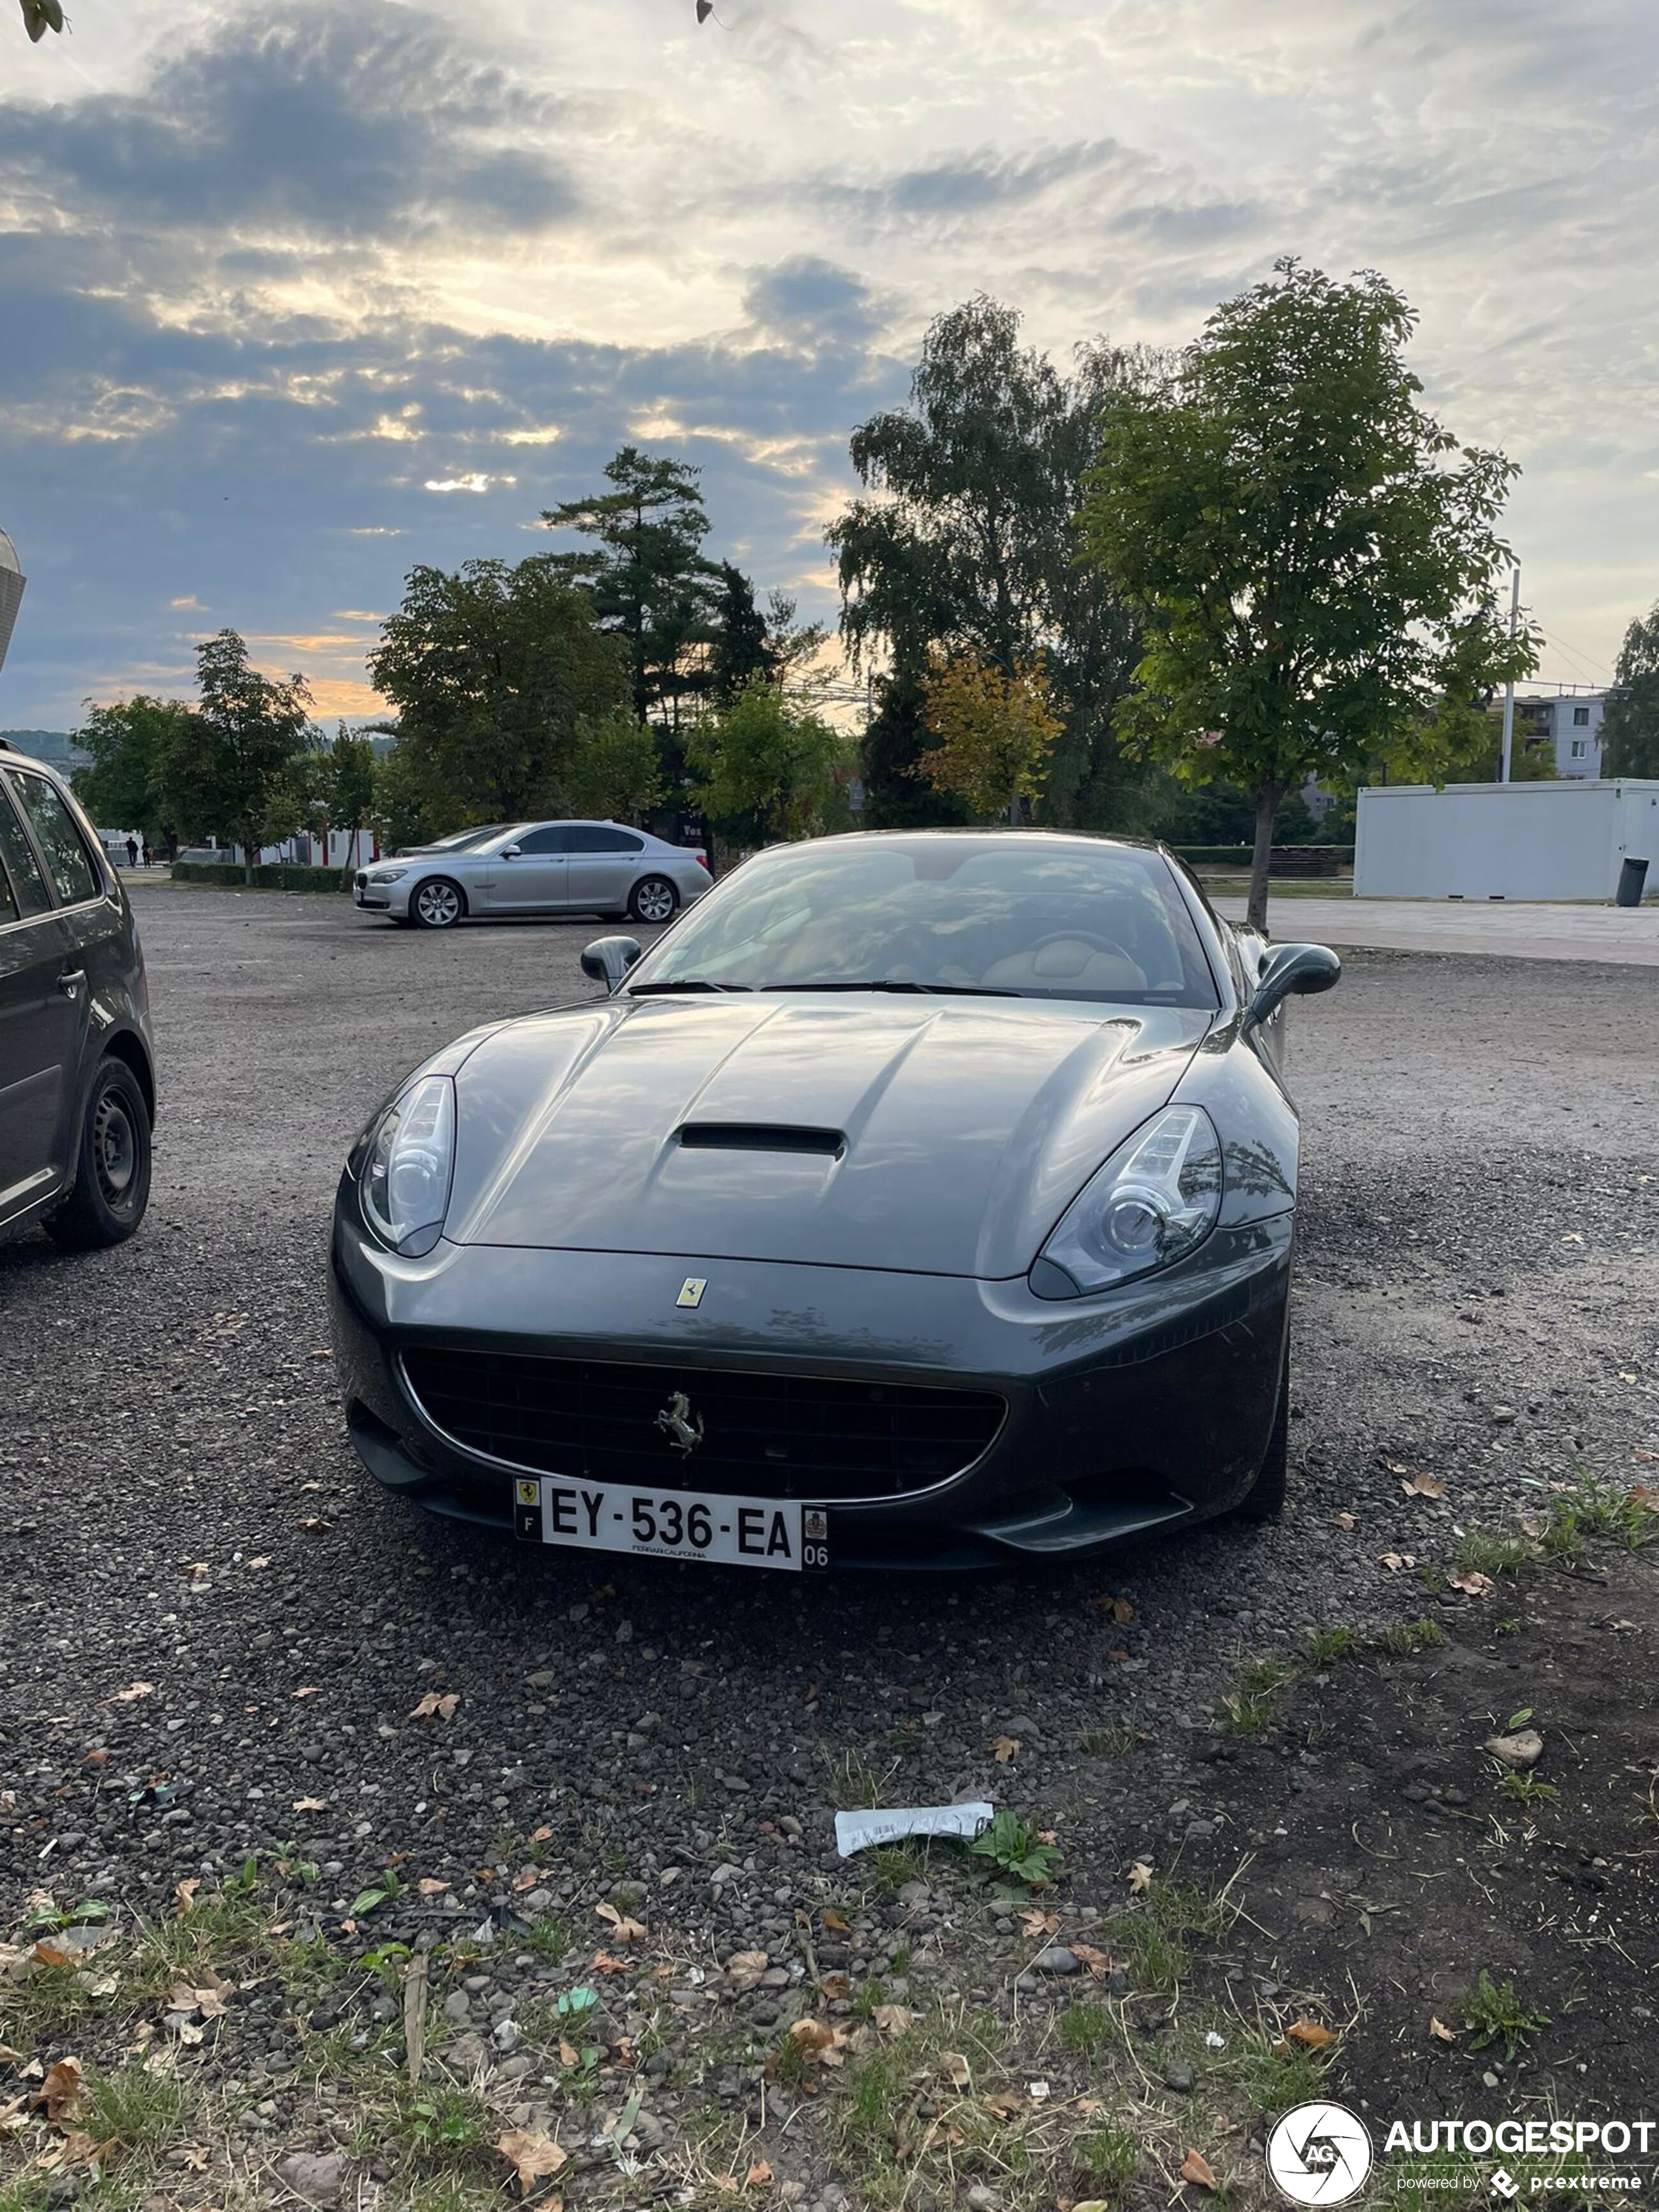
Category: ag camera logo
<point>1320,2154</point>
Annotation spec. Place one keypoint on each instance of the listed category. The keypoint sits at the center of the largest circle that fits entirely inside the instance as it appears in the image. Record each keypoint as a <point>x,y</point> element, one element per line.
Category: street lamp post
<point>1509,689</point>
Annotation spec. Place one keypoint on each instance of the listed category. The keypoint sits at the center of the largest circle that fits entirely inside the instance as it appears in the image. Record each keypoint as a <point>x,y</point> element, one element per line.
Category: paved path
<point>1628,935</point>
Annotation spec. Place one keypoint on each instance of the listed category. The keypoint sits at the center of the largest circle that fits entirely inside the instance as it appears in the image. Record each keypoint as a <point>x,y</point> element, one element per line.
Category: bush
<point>1287,859</point>
<point>281,877</point>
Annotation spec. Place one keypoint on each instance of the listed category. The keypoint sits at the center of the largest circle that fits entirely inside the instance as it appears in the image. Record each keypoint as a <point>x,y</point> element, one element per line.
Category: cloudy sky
<point>291,298</point>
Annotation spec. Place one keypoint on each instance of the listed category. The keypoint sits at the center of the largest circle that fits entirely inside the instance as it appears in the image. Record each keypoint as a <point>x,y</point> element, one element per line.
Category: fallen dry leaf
<point>569,2054</point>
<point>185,1894</point>
<point>624,1929</point>
<point>1311,2034</point>
<point>1196,2167</point>
<point>1097,1962</point>
<point>1474,1585</point>
<point>436,1706</point>
<point>1141,1878</point>
<point>1425,1485</point>
<point>1392,1560</point>
<point>532,2155</point>
<point>835,1987</point>
<point>759,2175</point>
<point>607,1962</point>
<point>1005,2104</point>
<point>429,1886</point>
<point>311,1804</point>
<point>48,1953</point>
<point>812,2037</point>
<point>132,1693</point>
<point>893,2019</point>
<point>1343,1521</point>
<point>961,2074</point>
<point>1037,1923</point>
<point>1439,2032</point>
<point>255,1565</point>
<point>62,2095</point>
<point>745,1969</point>
<point>1005,1747</point>
<point>835,1924</point>
<point>307,1690</point>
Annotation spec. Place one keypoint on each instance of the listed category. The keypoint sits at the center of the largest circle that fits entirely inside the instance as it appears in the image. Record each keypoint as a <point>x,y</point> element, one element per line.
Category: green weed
<point>1493,2013</point>
<point>1407,1638</point>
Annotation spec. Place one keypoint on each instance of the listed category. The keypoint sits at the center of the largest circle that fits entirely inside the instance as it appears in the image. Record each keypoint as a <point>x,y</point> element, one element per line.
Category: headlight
<point>1155,1200</point>
<point>387,875</point>
<point>407,1168</point>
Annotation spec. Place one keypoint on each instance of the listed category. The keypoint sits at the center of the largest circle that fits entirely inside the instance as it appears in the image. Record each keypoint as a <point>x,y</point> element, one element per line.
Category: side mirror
<point>1292,971</point>
<point>608,959</point>
<point>511,851</point>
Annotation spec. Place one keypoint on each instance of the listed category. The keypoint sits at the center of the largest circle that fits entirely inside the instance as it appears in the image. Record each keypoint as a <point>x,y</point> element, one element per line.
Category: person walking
<point>132,851</point>
<point>147,855</point>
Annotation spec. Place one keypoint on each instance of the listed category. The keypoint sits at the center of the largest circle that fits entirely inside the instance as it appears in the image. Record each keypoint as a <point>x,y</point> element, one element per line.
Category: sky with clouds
<point>293,298</point>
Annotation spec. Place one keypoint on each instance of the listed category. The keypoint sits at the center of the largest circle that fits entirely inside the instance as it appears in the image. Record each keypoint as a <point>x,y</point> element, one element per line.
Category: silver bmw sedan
<point>536,867</point>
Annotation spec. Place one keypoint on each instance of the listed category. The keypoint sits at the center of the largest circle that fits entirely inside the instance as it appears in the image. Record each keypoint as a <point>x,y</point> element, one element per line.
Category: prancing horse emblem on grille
<point>676,1424</point>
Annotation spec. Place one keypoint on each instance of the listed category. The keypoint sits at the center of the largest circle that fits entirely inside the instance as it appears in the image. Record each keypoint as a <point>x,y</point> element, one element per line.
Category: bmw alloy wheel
<point>654,900</point>
<point>437,905</point>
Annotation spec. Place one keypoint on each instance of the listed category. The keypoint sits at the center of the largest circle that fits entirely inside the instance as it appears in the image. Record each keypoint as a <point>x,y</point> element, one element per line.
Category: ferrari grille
<point>757,1434</point>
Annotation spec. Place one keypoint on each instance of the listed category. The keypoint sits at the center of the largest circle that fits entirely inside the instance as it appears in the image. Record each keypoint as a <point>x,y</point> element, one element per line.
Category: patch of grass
<point>1113,1740</point>
<point>1492,1552</point>
<point>1248,1708</point>
<point>1493,2013</point>
<point>1085,2027</point>
<point>1508,1626</point>
<point>1152,1959</point>
<point>1180,1909</point>
<point>1324,1646</point>
<point>1627,1517</point>
<point>225,1930</point>
<point>44,2008</point>
<point>856,1779</point>
<point>891,1865</point>
<point>1110,2158</point>
<point>1404,1639</point>
<point>548,1940</point>
<point>140,2109</point>
<point>1527,1788</point>
<point>432,2129</point>
<point>1275,2079</point>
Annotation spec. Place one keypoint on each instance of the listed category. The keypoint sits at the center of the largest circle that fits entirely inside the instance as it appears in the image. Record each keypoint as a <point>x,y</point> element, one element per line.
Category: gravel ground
<point>178,1508</point>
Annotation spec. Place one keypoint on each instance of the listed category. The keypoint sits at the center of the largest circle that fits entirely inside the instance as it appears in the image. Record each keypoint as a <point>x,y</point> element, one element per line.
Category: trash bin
<point>1632,877</point>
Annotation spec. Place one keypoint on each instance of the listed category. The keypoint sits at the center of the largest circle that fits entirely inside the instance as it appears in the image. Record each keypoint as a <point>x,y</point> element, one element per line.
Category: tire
<point>1265,1498</point>
<point>110,1190</point>
<point>654,898</point>
<point>437,904</point>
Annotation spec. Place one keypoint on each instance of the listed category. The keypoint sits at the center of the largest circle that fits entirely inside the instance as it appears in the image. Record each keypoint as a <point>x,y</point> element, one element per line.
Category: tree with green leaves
<point>965,542</point>
<point>995,734</point>
<point>646,571</point>
<point>494,669</point>
<point>742,646</point>
<point>128,742</point>
<point>339,782</point>
<point>231,769</point>
<point>615,774</point>
<point>1630,722</point>
<point>1313,560</point>
<point>766,768</point>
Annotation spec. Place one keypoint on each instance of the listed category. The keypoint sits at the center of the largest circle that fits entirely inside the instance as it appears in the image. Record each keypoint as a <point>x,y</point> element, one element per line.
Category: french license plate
<point>734,1531</point>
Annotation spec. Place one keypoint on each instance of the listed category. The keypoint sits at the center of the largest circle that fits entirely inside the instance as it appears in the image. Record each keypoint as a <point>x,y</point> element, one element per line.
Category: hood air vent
<point>760,1137</point>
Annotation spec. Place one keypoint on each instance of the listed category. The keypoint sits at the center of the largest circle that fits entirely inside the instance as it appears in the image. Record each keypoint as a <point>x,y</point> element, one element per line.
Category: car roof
<point>1006,835</point>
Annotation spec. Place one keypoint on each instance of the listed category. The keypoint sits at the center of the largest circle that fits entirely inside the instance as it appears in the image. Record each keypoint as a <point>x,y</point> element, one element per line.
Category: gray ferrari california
<point>917,1199</point>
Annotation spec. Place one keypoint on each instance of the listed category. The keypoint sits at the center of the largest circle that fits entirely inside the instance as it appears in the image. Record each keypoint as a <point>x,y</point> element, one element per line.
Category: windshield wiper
<point>692,983</point>
<point>926,990</point>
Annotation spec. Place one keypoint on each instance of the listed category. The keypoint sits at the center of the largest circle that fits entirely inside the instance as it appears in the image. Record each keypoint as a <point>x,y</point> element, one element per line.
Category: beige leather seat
<point>1068,963</point>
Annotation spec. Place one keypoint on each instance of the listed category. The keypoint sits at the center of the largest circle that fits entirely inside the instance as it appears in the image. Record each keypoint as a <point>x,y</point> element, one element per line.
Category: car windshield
<point>1015,914</point>
<point>464,841</point>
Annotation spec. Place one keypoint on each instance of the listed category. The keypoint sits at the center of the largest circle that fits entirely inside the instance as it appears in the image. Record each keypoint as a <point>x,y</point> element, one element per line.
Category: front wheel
<point>1265,1498</point>
<point>653,900</point>
<point>439,904</point>
<point>110,1190</point>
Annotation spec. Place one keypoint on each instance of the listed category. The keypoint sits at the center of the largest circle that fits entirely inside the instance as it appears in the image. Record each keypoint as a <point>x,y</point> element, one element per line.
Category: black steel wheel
<point>110,1190</point>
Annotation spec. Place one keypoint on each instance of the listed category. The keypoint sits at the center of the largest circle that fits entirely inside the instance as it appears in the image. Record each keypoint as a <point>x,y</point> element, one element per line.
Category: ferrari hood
<point>933,1136</point>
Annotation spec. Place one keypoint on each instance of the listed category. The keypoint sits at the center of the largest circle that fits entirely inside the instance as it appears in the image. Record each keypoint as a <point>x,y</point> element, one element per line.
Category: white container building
<point>1565,840</point>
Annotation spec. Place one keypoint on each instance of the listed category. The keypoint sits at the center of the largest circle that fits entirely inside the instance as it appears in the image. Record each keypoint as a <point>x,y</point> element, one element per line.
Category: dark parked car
<point>919,1197</point>
<point>77,1067</point>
